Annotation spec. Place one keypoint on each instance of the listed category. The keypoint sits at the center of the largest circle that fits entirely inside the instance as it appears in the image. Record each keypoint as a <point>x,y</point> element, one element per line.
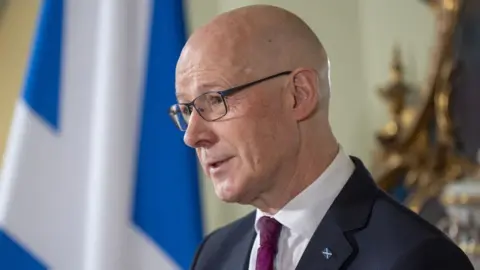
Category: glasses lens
<point>211,106</point>
<point>180,115</point>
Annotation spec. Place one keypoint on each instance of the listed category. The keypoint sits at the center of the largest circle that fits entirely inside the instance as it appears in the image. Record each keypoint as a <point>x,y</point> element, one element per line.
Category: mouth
<point>216,165</point>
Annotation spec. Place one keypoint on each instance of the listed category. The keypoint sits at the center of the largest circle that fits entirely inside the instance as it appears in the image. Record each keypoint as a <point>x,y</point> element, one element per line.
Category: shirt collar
<point>304,213</point>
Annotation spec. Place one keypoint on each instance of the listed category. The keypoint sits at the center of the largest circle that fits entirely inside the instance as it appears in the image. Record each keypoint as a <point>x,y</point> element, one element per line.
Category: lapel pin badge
<point>327,253</point>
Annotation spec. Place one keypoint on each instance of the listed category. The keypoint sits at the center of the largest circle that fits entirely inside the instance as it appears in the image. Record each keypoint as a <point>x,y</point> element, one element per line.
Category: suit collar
<point>348,213</point>
<point>352,207</point>
<point>238,256</point>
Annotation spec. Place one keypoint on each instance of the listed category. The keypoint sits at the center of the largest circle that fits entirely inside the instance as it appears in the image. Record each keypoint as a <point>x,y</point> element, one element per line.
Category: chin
<point>227,191</point>
<point>228,196</point>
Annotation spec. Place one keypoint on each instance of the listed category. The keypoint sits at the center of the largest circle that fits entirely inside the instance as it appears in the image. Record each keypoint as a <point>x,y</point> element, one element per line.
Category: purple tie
<point>269,233</point>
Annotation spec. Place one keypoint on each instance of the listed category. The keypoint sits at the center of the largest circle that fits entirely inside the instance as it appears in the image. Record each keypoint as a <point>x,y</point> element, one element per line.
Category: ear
<point>305,93</point>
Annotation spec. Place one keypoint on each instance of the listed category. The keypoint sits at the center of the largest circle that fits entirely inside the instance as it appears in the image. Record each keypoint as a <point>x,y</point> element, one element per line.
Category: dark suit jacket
<point>365,229</point>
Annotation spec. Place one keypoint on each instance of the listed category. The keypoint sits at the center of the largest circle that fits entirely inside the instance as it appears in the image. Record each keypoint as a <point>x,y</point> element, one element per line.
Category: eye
<point>214,100</point>
<point>189,108</point>
<point>185,109</point>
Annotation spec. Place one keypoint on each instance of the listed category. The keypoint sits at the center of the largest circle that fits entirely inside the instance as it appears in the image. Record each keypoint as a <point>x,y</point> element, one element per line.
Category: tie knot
<point>269,231</point>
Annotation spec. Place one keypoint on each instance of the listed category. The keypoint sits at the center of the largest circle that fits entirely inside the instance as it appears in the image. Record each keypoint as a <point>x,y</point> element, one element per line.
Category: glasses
<point>211,105</point>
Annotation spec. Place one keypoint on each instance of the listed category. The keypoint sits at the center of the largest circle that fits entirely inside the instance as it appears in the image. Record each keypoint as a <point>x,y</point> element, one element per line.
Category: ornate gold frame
<point>407,152</point>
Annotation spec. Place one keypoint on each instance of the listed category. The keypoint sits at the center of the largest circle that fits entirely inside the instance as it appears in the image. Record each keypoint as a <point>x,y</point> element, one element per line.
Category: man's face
<point>243,152</point>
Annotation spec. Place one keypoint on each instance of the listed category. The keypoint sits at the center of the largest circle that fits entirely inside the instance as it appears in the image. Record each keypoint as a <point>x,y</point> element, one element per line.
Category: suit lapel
<point>331,246</point>
<point>241,253</point>
<point>328,249</point>
<point>237,251</point>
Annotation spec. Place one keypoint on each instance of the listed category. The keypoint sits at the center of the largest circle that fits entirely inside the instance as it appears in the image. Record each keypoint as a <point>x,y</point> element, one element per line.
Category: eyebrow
<point>180,95</point>
<point>202,88</point>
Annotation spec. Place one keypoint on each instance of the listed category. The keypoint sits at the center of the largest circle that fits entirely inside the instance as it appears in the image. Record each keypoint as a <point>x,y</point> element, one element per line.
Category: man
<point>253,93</point>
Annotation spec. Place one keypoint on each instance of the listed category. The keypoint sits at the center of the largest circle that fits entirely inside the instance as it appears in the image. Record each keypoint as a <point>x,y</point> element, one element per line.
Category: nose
<point>198,133</point>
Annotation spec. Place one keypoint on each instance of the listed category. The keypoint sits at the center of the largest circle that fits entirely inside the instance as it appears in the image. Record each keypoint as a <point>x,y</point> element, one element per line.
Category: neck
<point>295,176</point>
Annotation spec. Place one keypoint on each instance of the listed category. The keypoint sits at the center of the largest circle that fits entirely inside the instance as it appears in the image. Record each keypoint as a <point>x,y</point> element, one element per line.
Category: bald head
<point>253,87</point>
<point>257,41</point>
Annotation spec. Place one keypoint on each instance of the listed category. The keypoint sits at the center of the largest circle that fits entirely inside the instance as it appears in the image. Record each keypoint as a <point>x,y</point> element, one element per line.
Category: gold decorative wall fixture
<point>418,148</point>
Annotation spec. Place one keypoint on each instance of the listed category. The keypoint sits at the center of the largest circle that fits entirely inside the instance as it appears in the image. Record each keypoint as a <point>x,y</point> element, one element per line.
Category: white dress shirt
<point>301,216</point>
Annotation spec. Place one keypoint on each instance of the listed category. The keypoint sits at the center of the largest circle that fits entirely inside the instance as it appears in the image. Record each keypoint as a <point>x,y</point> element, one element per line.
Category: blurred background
<point>359,37</point>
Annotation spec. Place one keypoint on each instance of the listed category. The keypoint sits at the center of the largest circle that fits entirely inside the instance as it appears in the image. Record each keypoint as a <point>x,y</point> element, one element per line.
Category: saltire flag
<point>95,174</point>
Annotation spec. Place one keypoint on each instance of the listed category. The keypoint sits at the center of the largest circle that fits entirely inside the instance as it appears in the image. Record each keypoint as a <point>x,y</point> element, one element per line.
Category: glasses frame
<point>223,93</point>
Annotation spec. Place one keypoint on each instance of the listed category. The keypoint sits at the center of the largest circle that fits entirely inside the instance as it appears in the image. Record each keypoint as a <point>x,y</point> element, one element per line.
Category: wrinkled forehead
<point>209,70</point>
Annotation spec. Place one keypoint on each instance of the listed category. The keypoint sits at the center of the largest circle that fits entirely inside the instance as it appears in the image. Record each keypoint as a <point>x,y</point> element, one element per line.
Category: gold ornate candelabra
<point>416,146</point>
<point>419,148</point>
